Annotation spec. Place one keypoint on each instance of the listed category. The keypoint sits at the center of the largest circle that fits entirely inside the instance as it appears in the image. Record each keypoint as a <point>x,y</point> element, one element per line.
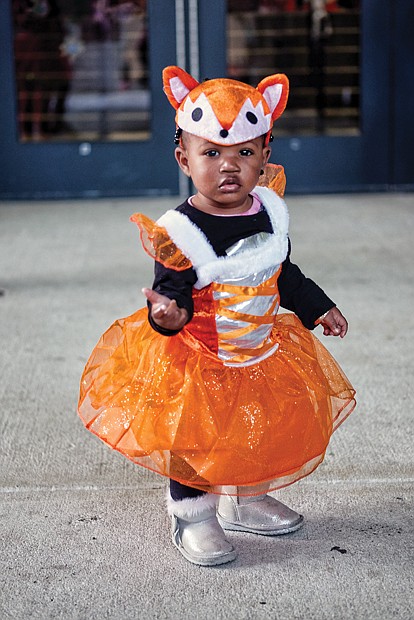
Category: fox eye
<point>252,118</point>
<point>197,114</point>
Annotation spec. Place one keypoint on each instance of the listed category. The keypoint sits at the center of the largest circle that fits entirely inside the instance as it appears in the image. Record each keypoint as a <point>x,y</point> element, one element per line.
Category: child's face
<point>224,176</point>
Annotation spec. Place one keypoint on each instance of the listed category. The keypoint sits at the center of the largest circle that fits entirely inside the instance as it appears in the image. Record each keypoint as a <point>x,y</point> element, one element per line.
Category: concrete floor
<point>84,532</point>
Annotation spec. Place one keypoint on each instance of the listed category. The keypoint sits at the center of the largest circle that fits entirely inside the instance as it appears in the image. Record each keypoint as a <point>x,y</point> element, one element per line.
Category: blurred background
<point>86,129</point>
<point>83,113</point>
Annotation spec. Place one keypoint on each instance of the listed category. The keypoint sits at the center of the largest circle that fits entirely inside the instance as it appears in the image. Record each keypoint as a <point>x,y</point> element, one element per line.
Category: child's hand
<point>334,323</point>
<point>165,311</point>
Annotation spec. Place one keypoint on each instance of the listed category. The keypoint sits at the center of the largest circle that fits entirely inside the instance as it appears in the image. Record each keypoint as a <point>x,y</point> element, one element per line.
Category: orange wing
<point>274,178</point>
<point>157,243</point>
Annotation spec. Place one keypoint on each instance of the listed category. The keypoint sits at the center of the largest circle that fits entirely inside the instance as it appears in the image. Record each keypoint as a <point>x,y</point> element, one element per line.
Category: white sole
<point>207,561</point>
<point>227,525</point>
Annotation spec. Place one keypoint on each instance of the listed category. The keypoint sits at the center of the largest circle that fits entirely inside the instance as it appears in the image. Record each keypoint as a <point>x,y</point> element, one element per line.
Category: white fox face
<point>225,111</point>
<point>199,118</point>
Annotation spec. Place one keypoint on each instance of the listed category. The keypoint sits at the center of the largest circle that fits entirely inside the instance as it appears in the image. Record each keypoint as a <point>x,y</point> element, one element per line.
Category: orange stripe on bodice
<point>223,300</point>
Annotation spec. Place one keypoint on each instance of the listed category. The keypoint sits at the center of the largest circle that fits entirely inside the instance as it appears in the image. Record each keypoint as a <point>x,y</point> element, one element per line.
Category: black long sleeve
<point>176,285</point>
<point>301,295</point>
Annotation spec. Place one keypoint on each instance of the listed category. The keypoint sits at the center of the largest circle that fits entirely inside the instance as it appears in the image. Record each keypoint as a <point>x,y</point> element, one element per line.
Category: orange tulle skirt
<point>167,405</point>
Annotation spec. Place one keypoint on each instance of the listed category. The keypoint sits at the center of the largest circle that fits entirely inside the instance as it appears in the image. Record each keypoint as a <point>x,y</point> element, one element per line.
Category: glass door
<point>85,114</point>
<point>333,135</point>
<point>82,71</point>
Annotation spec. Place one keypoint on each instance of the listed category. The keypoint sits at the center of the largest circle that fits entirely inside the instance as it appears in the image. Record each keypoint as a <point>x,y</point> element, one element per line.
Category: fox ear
<point>275,89</point>
<point>177,84</point>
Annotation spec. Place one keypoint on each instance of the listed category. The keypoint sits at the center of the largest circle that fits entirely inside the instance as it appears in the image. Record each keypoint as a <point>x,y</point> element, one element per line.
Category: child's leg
<point>260,514</point>
<point>196,531</point>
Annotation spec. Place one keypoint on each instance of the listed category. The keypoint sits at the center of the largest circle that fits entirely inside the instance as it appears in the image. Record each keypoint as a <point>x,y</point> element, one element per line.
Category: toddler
<point>211,386</point>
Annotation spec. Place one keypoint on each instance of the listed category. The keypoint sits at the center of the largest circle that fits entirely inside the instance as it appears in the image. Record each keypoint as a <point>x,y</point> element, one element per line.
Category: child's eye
<point>246,152</point>
<point>211,153</point>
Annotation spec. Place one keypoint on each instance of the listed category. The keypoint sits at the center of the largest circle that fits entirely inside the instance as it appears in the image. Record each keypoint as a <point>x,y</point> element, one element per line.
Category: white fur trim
<point>210,267</point>
<point>276,209</point>
<point>191,506</point>
<point>188,237</point>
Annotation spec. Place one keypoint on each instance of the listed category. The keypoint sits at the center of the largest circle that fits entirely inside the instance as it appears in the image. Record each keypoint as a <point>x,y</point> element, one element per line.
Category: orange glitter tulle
<point>274,178</point>
<point>157,243</point>
<point>168,406</point>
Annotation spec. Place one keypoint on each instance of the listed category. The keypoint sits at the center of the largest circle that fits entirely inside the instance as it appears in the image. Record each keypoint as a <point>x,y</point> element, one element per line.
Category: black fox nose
<point>224,133</point>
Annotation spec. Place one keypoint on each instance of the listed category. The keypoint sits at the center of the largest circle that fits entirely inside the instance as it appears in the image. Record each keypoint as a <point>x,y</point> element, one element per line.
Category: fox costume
<point>242,400</point>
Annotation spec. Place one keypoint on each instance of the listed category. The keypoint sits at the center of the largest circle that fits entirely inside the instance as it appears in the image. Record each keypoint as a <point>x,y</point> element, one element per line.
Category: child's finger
<point>159,311</point>
<point>152,296</point>
<point>338,328</point>
<point>331,327</point>
<point>340,323</point>
<point>344,329</point>
<point>165,311</point>
<point>155,298</point>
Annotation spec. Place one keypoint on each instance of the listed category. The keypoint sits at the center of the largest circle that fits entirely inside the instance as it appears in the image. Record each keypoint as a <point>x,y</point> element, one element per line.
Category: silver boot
<point>196,531</point>
<point>260,514</point>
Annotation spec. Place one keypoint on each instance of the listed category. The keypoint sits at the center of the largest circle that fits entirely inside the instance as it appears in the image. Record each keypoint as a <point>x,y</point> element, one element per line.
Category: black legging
<point>180,491</point>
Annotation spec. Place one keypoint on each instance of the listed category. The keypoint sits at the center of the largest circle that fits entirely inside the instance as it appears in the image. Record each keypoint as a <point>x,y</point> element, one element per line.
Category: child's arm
<point>171,285</point>
<point>306,299</point>
<point>165,312</point>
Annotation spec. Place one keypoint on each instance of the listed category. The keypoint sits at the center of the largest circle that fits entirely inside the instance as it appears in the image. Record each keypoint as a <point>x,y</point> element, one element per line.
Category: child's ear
<point>267,151</point>
<point>182,160</point>
<point>177,84</point>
